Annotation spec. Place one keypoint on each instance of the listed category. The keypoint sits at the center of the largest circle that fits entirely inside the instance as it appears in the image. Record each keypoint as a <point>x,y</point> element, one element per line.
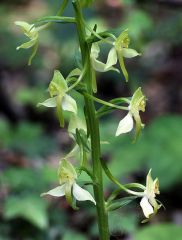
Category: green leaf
<point>122,222</point>
<point>165,231</point>
<point>70,235</point>
<point>29,208</point>
<point>26,138</point>
<point>119,203</point>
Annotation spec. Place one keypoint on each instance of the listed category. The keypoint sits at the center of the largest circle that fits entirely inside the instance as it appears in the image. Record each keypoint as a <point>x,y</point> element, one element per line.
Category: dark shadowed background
<point>31,142</point>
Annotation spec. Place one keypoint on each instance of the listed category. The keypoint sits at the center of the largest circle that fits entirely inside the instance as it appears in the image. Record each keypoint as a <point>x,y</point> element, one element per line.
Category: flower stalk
<point>93,123</point>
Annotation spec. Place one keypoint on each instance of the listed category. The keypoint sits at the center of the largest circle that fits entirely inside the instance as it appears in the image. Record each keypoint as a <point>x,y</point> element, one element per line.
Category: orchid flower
<point>68,186</point>
<point>137,104</point>
<point>119,51</point>
<point>148,203</point>
<point>58,89</point>
<point>32,33</point>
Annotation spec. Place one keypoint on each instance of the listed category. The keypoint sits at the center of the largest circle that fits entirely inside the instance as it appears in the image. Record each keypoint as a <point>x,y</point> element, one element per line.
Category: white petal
<point>129,53</point>
<point>95,50</point>
<point>146,207</point>
<point>56,192</point>
<point>98,65</point>
<point>50,102</point>
<point>125,125</point>
<point>112,58</point>
<point>69,104</point>
<point>81,194</point>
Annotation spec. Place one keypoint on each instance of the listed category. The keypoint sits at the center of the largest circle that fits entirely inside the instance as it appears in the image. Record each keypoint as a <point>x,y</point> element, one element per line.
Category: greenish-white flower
<point>31,32</point>
<point>68,186</point>
<point>119,51</point>
<point>58,89</point>
<point>148,202</point>
<point>98,65</point>
<point>136,105</point>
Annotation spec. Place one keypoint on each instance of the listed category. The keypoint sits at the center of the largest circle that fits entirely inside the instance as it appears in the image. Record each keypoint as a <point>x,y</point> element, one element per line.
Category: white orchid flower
<point>31,32</point>
<point>148,203</point>
<point>68,186</point>
<point>59,98</point>
<point>119,51</point>
<point>137,104</point>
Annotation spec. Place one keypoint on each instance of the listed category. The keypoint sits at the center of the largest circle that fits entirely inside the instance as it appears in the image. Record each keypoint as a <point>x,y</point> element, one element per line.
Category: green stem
<point>114,180</point>
<point>105,103</point>
<point>93,127</point>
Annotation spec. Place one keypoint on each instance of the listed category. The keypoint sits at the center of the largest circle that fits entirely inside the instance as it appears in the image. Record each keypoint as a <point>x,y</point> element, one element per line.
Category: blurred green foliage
<point>26,216</point>
<point>26,138</point>
<point>160,231</point>
<point>159,148</point>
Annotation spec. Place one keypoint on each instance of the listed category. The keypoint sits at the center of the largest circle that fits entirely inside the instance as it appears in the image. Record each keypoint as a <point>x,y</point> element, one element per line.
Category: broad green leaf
<point>30,208</point>
<point>70,235</point>
<point>26,138</point>
<point>165,231</point>
<point>125,224</point>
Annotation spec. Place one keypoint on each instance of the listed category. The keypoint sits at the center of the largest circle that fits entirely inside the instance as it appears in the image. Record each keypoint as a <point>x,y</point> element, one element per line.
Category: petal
<point>130,53</point>
<point>28,44</point>
<point>95,50</point>
<point>24,25</point>
<point>81,194</point>
<point>69,104</point>
<point>112,58</point>
<point>98,65</point>
<point>146,207</point>
<point>50,102</point>
<point>56,192</point>
<point>125,125</point>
